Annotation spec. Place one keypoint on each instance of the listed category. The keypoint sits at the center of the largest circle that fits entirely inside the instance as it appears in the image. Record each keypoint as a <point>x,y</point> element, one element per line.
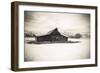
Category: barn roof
<point>54,32</point>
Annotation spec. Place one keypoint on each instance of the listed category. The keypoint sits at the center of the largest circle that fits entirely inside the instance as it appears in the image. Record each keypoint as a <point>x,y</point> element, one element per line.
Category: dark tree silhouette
<point>78,35</point>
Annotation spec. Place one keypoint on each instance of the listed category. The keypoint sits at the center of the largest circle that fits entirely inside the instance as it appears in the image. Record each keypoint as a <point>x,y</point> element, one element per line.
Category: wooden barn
<point>54,36</point>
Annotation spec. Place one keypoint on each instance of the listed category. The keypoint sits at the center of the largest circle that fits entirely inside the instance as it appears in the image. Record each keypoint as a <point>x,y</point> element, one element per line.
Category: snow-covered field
<point>58,51</point>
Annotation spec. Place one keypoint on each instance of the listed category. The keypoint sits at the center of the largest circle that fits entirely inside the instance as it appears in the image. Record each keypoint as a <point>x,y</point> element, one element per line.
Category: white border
<point>23,64</point>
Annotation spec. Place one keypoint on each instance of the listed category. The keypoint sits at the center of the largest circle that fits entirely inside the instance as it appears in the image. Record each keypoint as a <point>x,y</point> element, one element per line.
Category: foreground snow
<point>58,51</point>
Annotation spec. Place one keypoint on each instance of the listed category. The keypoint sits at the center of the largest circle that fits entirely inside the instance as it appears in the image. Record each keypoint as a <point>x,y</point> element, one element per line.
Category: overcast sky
<point>40,23</point>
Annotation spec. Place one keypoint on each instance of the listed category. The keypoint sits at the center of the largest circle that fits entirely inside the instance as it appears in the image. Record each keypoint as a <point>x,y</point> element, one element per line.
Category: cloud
<point>40,23</point>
